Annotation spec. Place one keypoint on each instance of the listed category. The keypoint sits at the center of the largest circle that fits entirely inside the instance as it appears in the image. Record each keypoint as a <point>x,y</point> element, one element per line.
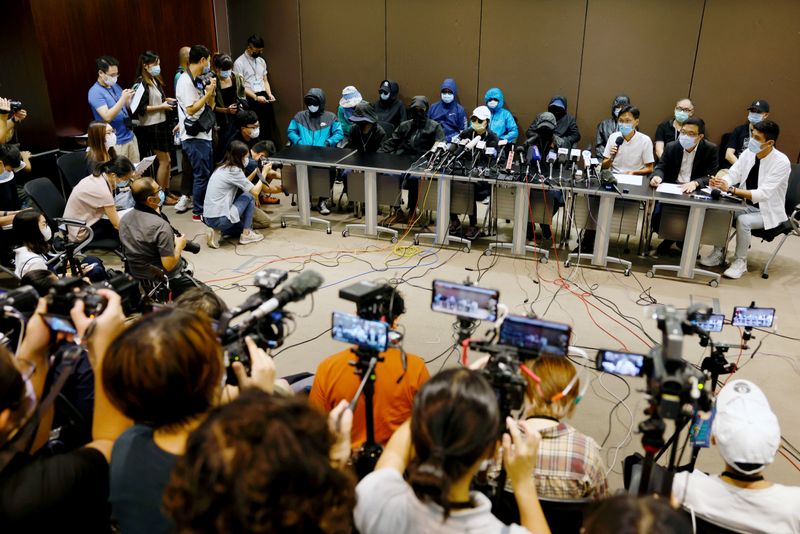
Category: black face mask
<point>418,115</point>
<point>255,55</point>
<point>557,111</point>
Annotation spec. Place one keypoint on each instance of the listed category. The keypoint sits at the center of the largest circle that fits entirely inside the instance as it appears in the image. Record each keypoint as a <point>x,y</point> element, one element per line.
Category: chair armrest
<point>71,222</point>
<point>85,242</point>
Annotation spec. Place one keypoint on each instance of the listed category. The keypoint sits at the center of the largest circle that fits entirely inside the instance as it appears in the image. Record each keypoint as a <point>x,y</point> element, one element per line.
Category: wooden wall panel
<point>278,22</point>
<point>353,53</point>
<point>642,48</point>
<point>428,41</point>
<point>748,53</point>
<point>531,49</point>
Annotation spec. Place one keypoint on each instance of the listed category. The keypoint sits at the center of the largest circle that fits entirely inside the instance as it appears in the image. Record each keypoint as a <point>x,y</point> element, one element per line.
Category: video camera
<point>67,291</point>
<point>262,315</point>
<point>373,300</point>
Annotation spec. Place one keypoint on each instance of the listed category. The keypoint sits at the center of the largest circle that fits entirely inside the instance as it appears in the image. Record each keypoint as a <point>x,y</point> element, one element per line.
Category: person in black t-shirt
<point>668,130</point>
<point>740,136</point>
<point>247,128</point>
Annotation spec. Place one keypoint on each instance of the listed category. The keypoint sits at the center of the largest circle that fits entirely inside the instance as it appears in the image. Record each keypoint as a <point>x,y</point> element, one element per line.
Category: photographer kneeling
<point>151,244</point>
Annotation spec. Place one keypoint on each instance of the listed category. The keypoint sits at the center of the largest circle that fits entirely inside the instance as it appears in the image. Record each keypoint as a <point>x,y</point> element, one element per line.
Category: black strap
<point>741,477</point>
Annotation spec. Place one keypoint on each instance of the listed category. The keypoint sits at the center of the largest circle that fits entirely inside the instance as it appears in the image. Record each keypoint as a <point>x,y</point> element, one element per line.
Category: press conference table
<point>372,164</point>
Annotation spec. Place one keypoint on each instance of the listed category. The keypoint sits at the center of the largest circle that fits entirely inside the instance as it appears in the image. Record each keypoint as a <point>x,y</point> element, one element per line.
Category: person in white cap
<point>347,104</point>
<point>747,435</point>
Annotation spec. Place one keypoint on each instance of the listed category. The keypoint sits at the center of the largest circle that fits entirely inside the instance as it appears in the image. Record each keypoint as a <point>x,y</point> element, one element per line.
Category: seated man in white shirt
<point>747,434</point>
<point>760,176</point>
<point>633,155</point>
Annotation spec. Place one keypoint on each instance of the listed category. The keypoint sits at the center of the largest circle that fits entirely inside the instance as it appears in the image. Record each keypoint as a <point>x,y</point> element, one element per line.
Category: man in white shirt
<point>760,176</point>
<point>193,96</point>
<point>253,69</point>
<point>747,435</point>
<point>635,154</point>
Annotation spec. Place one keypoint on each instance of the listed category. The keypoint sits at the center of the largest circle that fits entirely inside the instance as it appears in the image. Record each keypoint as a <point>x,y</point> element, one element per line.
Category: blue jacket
<point>502,123</point>
<point>451,116</point>
<point>320,129</point>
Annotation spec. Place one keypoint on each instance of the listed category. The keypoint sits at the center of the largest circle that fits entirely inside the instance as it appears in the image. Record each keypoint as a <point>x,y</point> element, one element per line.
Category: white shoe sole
<point>249,240</point>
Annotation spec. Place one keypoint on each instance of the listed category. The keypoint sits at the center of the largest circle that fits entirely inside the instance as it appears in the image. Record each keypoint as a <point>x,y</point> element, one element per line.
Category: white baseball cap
<point>482,112</point>
<point>745,428</point>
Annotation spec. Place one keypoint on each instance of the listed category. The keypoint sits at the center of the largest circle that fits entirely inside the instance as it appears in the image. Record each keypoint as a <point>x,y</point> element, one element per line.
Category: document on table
<point>628,179</point>
<point>144,165</point>
<point>670,189</point>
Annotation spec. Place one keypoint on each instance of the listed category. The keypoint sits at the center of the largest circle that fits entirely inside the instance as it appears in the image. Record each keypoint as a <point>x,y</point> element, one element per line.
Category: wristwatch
<point>731,190</point>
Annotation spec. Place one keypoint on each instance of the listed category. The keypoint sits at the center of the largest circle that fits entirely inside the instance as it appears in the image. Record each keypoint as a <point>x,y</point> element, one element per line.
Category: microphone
<point>609,181</point>
<point>563,155</point>
<point>618,141</point>
<point>717,194</point>
<point>510,160</point>
<point>435,151</point>
<point>295,289</point>
<point>551,157</point>
<point>535,155</point>
<point>453,150</point>
<point>481,147</point>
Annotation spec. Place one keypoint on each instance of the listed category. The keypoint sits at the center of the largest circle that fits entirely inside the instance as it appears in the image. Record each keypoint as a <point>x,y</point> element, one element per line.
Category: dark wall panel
<point>22,76</point>
<point>531,49</point>
<point>429,41</point>
<point>278,22</point>
<point>72,33</point>
<point>746,54</point>
<point>643,48</point>
<point>352,55</point>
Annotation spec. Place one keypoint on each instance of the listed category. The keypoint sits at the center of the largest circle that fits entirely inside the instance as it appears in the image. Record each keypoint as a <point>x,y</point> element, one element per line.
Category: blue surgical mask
<point>681,116</point>
<point>225,74</point>
<point>754,146</point>
<point>121,185</point>
<point>155,70</point>
<point>6,176</point>
<point>448,98</point>
<point>206,69</point>
<point>686,141</point>
<point>492,104</point>
<point>625,129</point>
<point>161,197</point>
<point>313,109</point>
<point>754,117</point>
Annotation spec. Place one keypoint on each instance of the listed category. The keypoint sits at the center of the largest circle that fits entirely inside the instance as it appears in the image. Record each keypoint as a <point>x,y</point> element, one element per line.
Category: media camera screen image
<point>621,363</point>
<point>534,335</point>
<point>465,301</point>
<point>753,317</point>
<point>710,323</point>
<point>371,335</point>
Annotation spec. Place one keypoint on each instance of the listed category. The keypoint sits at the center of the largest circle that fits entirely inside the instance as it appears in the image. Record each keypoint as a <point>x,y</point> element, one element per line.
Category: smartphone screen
<point>465,301</point>
<point>535,335</point>
<point>57,323</point>
<point>710,323</point>
<point>371,335</point>
<point>621,363</point>
<point>753,317</point>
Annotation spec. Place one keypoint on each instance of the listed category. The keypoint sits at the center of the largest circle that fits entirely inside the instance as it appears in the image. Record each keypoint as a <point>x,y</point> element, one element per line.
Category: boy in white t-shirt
<point>747,435</point>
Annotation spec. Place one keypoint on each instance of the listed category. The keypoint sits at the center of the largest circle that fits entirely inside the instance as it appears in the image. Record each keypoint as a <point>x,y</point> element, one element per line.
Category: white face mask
<point>111,140</point>
<point>111,80</point>
<point>254,132</point>
<point>313,109</point>
<point>245,162</point>
<point>6,176</point>
<point>47,233</point>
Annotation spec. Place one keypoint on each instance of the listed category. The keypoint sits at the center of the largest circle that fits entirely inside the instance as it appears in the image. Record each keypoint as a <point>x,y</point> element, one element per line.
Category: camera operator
<point>164,373</point>
<point>68,491</point>
<point>276,457</point>
<point>454,428</point>
<point>12,161</point>
<point>9,119</point>
<point>395,385</point>
<point>747,434</point>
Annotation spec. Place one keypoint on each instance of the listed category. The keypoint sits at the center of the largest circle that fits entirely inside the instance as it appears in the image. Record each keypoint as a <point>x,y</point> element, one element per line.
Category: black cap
<point>762,106</point>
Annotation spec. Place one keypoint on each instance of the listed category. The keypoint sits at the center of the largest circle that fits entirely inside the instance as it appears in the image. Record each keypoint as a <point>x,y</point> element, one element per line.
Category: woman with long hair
<point>100,140</point>
<point>454,428</point>
<point>154,132</point>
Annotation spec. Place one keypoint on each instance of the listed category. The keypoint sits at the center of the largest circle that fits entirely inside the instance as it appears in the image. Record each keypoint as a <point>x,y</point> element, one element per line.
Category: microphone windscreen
<point>536,155</point>
<point>607,176</point>
<point>619,140</point>
<point>715,194</point>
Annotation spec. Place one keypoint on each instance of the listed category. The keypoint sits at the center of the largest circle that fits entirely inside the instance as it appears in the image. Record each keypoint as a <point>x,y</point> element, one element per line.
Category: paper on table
<point>144,165</point>
<point>670,189</point>
<point>628,179</point>
<point>137,95</point>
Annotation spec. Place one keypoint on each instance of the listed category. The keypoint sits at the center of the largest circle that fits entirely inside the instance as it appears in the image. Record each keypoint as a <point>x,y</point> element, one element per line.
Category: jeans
<point>201,155</point>
<point>246,205</point>
<point>747,221</point>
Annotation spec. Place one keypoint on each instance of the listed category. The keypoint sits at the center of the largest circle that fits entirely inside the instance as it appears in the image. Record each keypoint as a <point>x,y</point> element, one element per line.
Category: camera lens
<point>192,246</point>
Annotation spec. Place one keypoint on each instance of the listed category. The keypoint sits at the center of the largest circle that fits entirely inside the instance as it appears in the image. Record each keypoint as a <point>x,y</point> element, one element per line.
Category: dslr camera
<point>276,165</point>
<point>206,78</point>
<point>67,291</point>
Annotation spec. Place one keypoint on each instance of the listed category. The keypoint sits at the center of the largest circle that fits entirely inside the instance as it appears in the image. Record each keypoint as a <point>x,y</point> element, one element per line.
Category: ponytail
<point>430,481</point>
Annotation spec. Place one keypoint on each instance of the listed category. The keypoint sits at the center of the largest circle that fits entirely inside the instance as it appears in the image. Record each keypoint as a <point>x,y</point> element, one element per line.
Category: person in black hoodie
<point>566,126</point>
<point>478,127</point>
<point>545,137</point>
<point>413,137</point>
<point>366,135</point>
<point>389,108</point>
<point>608,126</point>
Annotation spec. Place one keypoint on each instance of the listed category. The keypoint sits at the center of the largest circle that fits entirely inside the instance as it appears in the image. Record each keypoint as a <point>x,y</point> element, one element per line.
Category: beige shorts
<point>130,150</point>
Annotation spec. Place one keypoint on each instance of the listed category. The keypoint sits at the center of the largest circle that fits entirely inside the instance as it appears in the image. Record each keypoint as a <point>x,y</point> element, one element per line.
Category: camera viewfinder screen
<point>711,323</point>
<point>753,317</point>
<point>465,301</point>
<point>535,335</point>
<point>621,363</point>
<point>372,335</point>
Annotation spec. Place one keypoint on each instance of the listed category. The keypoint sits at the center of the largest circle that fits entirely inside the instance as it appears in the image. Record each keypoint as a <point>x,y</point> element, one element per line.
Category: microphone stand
<point>367,456</point>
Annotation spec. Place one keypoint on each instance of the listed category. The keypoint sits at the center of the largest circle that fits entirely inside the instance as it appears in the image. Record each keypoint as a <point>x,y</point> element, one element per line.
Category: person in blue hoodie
<point>502,123</point>
<point>316,127</point>
<point>448,111</point>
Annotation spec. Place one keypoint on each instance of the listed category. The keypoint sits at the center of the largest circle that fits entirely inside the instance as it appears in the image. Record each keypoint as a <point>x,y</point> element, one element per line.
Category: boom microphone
<point>609,181</point>
<point>295,289</point>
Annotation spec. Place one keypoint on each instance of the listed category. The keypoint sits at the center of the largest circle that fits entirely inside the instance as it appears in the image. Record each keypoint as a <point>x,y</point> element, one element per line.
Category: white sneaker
<point>212,237</point>
<point>486,201</point>
<point>183,204</point>
<point>737,269</point>
<point>715,258</point>
<point>250,237</point>
<point>323,208</point>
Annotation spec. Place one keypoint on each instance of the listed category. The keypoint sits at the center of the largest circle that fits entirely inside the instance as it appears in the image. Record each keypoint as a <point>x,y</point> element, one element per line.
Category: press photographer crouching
<point>153,247</point>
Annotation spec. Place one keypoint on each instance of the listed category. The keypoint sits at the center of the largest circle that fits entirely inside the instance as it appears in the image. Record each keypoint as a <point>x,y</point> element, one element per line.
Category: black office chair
<point>73,168</point>
<point>723,144</point>
<point>789,227</point>
<point>563,516</point>
<point>49,201</point>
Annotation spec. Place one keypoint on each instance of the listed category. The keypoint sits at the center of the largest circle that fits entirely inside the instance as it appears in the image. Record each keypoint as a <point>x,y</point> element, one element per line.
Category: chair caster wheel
<point>487,252</point>
<point>393,239</point>
<point>649,274</point>
<point>714,283</point>
<point>543,259</point>
<point>283,224</point>
<point>765,276</point>
<point>466,249</point>
<point>627,272</point>
<point>626,251</point>
<point>567,264</point>
<point>328,230</point>
<point>416,241</point>
<point>345,233</point>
